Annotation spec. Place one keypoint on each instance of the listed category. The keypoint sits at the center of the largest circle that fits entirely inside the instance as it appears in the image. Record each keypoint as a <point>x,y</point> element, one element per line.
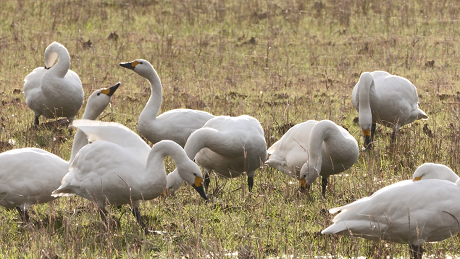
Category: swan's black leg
<point>36,122</point>
<point>103,212</point>
<point>23,214</point>
<point>373,127</point>
<point>324,184</point>
<point>137,215</point>
<point>416,251</point>
<point>207,180</point>
<point>250,183</point>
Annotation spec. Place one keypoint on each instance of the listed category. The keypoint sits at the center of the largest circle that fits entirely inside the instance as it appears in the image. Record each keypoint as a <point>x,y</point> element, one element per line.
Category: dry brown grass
<point>282,62</point>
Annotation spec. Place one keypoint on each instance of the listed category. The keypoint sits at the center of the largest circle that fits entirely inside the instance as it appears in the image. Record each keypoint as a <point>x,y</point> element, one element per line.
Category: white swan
<point>54,91</point>
<point>411,211</point>
<point>177,124</point>
<point>118,167</point>
<point>29,175</point>
<point>229,146</point>
<point>314,148</point>
<point>387,99</point>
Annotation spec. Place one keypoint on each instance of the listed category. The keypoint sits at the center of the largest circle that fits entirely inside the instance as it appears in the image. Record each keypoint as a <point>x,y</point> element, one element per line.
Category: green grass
<point>280,61</point>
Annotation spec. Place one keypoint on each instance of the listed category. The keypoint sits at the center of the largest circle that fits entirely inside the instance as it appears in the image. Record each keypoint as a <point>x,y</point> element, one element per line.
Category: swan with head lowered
<point>229,146</point>
<point>424,209</point>
<point>177,124</point>
<point>314,148</point>
<point>118,168</point>
<point>29,175</point>
<point>387,99</point>
<point>54,91</point>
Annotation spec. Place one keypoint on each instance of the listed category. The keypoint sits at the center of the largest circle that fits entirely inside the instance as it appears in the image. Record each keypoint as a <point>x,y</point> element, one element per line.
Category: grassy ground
<point>283,62</point>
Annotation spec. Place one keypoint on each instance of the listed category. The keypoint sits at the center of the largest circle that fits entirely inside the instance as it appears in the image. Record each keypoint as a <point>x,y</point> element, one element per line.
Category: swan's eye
<point>141,63</point>
<point>98,94</point>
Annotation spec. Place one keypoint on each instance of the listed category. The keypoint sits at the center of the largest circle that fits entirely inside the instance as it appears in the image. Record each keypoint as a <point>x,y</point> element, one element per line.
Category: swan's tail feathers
<point>422,115</point>
<point>273,148</point>
<point>361,228</point>
<point>335,210</point>
<point>62,191</point>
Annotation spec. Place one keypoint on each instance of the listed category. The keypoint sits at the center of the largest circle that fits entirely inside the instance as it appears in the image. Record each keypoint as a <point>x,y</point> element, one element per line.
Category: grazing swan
<point>177,124</point>
<point>229,146</point>
<point>54,91</point>
<point>387,99</point>
<point>29,175</point>
<point>314,148</point>
<point>118,168</point>
<point>424,209</point>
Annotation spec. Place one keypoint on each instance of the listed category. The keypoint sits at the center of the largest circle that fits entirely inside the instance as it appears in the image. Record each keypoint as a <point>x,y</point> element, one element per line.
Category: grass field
<point>282,62</point>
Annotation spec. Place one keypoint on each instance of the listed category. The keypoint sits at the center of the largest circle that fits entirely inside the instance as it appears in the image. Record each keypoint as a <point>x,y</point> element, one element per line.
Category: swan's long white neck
<point>212,139</point>
<point>63,64</point>
<point>366,88</point>
<point>152,108</point>
<point>163,149</point>
<point>321,131</point>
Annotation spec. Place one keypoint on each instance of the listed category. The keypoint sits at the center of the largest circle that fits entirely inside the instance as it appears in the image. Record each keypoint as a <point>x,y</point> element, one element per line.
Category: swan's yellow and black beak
<point>417,178</point>
<point>367,137</point>
<point>130,65</point>
<point>303,185</point>
<point>199,187</point>
<point>111,90</point>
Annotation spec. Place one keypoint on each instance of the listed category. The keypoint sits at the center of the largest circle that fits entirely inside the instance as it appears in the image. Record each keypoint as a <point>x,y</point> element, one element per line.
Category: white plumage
<point>229,146</point>
<point>29,175</point>
<point>54,91</point>
<point>387,99</point>
<point>314,148</point>
<point>424,209</point>
<point>177,124</point>
<point>118,167</point>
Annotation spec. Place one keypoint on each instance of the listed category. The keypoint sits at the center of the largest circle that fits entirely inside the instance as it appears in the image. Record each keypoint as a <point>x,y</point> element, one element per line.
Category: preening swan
<point>29,175</point>
<point>425,209</point>
<point>387,99</point>
<point>118,167</point>
<point>54,91</point>
<point>229,146</point>
<point>177,124</point>
<point>314,148</point>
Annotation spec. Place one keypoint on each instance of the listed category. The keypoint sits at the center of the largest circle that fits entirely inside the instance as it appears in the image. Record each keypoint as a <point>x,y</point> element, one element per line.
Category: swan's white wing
<point>413,212</point>
<point>28,176</point>
<point>115,133</point>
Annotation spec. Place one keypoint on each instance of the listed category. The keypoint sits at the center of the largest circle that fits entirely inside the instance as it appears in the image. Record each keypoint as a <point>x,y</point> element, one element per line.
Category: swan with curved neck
<point>229,146</point>
<point>314,148</point>
<point>387,99</point>
<point>103,170</point>
<point>413,212</point>
<point>29,175</point>
<point>54,91</point>
<point>177,124</point>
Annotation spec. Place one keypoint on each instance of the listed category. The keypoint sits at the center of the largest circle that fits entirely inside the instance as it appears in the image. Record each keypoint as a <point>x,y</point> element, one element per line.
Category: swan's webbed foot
<point>36,122</point>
